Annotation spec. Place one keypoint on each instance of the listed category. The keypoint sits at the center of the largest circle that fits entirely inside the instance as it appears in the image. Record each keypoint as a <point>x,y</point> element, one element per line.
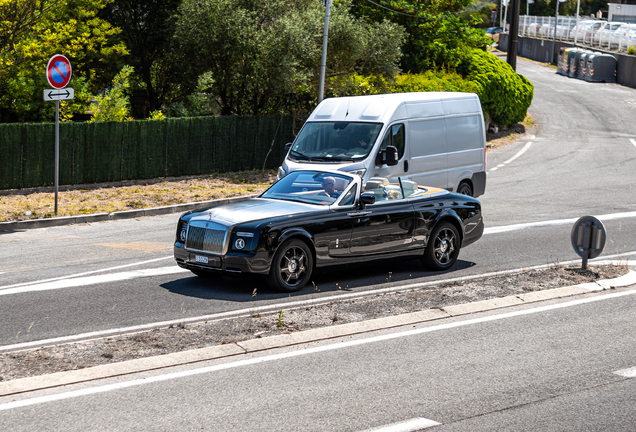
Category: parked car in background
<point>627,32</point>
<point>565,28</point>
<point>620,32</point>
<point>584,32</point>
<point>602,36</point>
<point>491,31</point>
<point>315,219</point>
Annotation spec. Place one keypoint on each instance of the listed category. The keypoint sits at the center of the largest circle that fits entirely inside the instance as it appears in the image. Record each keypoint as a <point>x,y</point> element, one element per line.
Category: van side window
<point>395,137</point>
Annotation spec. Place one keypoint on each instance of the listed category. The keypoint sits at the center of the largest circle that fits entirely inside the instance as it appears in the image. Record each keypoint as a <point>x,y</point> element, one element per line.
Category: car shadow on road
<point>244,289</point>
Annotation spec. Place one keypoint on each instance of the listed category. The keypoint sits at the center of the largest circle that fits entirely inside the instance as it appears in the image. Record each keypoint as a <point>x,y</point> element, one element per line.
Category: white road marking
<point>301,352</point>
<point>406,426</point>
<point>522,151</point>
<point>87,273</point>
<point>517,227</point>
<point>92,280</point>
<point>628,373</point>
<point>633,141</point>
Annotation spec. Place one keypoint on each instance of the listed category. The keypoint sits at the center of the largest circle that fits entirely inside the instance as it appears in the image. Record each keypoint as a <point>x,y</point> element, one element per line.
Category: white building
<point>621,12</point>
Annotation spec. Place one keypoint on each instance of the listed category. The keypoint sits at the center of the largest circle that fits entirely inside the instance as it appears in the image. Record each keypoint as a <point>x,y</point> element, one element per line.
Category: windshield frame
<point>305,187</point>
<point>335,141</point>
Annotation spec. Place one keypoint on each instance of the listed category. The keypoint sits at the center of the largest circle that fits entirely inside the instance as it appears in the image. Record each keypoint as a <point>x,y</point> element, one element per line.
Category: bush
<point>631,50</point>
<point>505,95</point>
<point>433,81</point>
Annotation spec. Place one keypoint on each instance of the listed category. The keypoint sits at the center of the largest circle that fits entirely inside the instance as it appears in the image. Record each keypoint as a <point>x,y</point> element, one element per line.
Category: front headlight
<point>242,240</point>
<point>281,173</point>
<point>360,172</point>
<point>182,230</point>
<point>239,244</point>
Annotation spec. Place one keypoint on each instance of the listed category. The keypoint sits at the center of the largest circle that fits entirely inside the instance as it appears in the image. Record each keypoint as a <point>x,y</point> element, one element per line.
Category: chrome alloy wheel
<point>293,266</point>
<point>444,246</point>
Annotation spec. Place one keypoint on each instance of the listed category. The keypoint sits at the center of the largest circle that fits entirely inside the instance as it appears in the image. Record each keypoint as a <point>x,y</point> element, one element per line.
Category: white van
<point>433,138</point>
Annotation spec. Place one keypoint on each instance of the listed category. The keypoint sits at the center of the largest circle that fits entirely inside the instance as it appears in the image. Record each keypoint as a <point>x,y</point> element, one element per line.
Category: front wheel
<point>442,248</point>
<point>291,267</point>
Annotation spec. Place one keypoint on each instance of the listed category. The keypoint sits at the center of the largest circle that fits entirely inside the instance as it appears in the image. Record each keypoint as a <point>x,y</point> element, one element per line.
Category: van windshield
<point>334,141</point>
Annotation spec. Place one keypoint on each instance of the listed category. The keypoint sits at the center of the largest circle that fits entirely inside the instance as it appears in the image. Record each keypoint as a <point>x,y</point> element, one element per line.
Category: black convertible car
<point>315,219</point>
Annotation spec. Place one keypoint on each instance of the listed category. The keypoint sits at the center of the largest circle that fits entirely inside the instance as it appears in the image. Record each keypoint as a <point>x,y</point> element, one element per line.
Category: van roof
<point>395,106</point>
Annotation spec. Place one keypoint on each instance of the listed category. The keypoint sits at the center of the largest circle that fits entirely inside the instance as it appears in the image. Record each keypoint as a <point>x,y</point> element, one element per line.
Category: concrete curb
<point>24,385</point>
<point>128,214</point>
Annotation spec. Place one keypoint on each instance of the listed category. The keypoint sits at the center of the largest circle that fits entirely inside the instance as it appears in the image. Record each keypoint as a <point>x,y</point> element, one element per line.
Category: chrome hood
<point>252,210</point>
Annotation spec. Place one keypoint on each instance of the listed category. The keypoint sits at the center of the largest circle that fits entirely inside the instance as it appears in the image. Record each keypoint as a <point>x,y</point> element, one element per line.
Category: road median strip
<point>30,384</point>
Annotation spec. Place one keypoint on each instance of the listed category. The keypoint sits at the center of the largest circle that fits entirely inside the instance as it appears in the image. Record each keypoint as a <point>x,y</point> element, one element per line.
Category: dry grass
<point>106,198</point>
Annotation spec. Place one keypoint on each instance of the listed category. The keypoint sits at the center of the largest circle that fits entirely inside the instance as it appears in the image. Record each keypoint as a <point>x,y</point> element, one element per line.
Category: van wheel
<point>443,246</point>
<point>291,267</point>
<point>465,189</point>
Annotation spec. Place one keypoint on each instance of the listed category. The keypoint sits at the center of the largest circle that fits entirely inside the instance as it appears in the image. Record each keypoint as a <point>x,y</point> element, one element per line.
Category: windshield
<point>309,187</point>
<point>334,141</point>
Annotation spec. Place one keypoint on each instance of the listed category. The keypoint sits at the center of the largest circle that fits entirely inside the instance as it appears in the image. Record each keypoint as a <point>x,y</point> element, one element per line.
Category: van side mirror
<point>388,156</point>
<point>391,156</point>
<point>287,146</point>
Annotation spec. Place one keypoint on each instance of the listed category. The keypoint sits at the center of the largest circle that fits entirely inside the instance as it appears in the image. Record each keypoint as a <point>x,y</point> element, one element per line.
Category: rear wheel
<point>465,189</point>
<point>291,267</point>
<point>443,246</point>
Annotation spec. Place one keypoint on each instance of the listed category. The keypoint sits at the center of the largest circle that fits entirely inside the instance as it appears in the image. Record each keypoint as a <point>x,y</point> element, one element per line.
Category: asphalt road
<point>581,162</point>
<point>562,366</point>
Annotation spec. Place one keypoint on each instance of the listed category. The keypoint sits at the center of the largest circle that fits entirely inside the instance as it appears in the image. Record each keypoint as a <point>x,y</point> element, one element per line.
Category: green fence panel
<point>12,156</point>
<point>143,150</point>
<point>152,149</point>
<point>206,129</point>
<point>104,151</point>
<point>177,135</point>
<point>38,166</point>
<point>113,151</point>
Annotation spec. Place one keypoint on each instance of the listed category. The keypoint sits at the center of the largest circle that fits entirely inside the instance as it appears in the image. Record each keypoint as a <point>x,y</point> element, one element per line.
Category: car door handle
<point>359,213</point>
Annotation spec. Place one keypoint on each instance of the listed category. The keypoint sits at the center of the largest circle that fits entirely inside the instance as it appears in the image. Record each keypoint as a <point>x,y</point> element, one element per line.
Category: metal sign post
<point>588,238</point>
<point>58,74</point>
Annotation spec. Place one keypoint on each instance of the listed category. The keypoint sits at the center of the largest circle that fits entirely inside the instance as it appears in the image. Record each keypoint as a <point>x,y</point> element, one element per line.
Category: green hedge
<point>134,150</point>
<point>504,94</point>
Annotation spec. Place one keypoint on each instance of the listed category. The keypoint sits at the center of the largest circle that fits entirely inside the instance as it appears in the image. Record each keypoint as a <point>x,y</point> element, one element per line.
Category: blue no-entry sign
<point>58,71</point>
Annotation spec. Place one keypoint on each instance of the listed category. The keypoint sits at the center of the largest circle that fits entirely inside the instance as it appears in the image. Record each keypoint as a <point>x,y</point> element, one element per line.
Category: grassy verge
<point>106,198</point>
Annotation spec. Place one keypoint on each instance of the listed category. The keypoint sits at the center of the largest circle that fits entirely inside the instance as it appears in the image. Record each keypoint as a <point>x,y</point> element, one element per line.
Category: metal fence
<point>594,33</point>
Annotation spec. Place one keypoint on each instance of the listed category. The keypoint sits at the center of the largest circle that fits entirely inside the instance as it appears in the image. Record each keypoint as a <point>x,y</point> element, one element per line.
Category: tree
<point>436,36</point>
<point>147,30</point>
<point>258,53</point>
<point>31,32</point>
<point>114,104</point>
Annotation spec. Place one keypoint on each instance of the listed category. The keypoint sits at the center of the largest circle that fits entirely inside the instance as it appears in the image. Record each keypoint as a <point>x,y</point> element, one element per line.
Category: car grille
<point>205,239</point>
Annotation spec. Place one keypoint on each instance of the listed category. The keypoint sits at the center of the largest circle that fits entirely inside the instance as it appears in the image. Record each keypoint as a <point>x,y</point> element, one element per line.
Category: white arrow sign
<point>59,94</point>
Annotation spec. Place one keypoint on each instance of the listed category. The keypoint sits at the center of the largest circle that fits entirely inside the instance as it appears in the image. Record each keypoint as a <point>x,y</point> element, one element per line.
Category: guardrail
<point>594,33</point>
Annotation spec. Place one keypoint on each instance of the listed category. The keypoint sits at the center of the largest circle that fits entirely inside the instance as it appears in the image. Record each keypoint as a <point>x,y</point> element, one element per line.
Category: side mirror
<point>366,199</point>
<point>388,156</point>
<point>391,156</point>
<point>288,146</point>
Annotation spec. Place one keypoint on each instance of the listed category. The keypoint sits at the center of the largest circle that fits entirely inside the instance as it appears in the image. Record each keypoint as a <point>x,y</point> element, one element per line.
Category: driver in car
<point>328,184</point>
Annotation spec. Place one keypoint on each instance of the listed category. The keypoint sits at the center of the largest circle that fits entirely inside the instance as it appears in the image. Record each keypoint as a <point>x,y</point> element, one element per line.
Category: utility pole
<point>323,62</point>
<point>513,35</point>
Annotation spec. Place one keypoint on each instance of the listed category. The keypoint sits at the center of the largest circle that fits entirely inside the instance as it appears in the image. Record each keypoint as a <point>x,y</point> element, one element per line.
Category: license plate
<point>201,259</point>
